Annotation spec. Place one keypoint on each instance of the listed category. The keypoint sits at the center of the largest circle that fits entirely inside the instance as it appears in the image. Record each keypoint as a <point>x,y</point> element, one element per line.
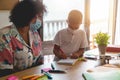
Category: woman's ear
<point>34,20</point>
<point>67,21</point>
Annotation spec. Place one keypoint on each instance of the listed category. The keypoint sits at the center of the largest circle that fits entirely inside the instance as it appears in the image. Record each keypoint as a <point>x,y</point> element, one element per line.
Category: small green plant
<point>102,38</point>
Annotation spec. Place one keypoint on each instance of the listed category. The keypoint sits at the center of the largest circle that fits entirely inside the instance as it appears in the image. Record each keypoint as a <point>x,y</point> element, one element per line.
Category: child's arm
<point>78,53</point>
<point>58,52</point>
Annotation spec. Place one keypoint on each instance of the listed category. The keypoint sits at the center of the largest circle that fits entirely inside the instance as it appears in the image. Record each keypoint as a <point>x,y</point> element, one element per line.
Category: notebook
<point>91,54</point>
<point>110,75</point>
<point>105,72</point>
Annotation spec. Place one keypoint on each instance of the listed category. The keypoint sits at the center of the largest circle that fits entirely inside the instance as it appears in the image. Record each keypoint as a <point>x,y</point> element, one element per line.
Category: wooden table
<point>73,72</point>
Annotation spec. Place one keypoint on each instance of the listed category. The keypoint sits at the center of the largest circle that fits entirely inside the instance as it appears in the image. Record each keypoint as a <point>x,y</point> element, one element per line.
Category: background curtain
<point>117,34</point>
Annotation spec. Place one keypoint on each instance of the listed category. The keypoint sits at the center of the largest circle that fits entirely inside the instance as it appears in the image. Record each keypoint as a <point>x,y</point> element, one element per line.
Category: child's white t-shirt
<point>70,42</point>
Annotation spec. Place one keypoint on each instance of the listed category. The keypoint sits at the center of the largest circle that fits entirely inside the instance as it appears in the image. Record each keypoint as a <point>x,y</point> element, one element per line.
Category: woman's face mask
<point>36,25</point>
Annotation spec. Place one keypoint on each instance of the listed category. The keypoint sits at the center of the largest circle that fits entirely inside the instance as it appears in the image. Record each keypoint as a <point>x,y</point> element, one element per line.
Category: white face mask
<point>72,31</point>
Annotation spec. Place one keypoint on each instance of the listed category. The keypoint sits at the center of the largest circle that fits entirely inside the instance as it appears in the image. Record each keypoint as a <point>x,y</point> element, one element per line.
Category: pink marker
<point>12,78</point>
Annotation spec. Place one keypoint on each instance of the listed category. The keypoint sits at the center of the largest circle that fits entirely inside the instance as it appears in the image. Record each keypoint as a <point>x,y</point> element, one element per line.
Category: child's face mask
<point>36,25</point>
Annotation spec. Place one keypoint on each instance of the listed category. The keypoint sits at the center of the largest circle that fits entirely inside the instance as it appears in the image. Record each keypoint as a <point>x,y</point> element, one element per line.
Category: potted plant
<point>102,39</point>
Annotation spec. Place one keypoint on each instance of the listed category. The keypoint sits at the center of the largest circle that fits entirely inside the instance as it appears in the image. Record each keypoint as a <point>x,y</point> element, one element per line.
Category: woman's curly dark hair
<point>24,11</point>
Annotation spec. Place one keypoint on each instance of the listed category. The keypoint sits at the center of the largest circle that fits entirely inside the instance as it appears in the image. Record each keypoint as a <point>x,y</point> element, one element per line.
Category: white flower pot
<point>102,49</point>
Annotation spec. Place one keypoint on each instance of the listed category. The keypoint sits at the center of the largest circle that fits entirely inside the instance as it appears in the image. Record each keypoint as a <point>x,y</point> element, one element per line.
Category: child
<point>72,41</point>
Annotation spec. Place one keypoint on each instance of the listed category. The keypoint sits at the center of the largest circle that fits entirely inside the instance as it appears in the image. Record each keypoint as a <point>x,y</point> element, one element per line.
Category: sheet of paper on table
<point>67,61</point>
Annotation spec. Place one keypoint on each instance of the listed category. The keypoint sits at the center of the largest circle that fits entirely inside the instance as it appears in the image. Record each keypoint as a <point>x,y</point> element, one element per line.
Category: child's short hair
<point>75,16</point>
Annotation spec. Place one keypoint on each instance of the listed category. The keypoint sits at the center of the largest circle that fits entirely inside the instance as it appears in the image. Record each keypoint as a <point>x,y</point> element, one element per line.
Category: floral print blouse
<point>14,52</point>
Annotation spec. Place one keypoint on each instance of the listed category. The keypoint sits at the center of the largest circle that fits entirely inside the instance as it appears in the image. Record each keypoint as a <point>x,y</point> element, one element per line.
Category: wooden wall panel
<point>7,4</point>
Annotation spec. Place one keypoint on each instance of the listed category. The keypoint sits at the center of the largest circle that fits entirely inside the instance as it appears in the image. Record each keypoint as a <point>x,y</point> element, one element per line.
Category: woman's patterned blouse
<point>14,52</point>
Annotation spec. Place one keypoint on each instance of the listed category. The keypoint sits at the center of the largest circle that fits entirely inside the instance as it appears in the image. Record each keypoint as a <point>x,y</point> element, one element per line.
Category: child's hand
<point>59,53</point>
<point>62,56</point>
<point>74,55</point>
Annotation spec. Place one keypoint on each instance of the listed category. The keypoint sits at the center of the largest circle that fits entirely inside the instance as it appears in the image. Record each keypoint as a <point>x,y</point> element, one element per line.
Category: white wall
<point>4,18</point>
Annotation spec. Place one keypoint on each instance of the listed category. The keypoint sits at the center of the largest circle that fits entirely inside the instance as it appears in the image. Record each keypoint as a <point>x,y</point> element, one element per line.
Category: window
<point>102,16</point>
<point>99,15</point>
<point>57,14</point>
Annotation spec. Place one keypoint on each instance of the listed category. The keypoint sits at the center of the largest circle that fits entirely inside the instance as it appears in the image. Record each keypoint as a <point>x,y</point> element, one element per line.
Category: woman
<point>20,43</point>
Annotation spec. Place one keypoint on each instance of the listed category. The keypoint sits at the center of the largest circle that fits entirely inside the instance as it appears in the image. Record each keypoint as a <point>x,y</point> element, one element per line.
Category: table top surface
<point>73,72</point>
